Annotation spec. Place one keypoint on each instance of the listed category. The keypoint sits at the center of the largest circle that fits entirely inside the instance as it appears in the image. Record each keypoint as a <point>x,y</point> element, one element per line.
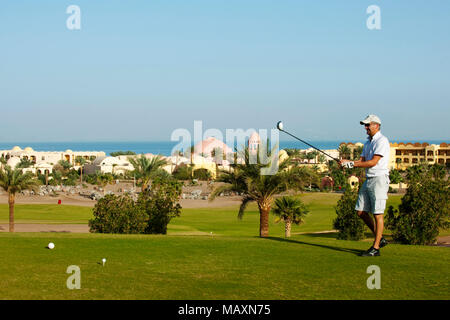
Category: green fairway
<point>224,220</point>
<point>46,213</point>
<point>232,262</point>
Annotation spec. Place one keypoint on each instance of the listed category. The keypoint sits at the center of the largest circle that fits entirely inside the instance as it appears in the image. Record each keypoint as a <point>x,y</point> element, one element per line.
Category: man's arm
<point>369,163</point>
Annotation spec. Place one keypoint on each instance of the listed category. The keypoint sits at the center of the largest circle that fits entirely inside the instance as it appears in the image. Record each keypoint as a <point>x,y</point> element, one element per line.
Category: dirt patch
<point>443,241</point>
<point>203,188</point>
<point>31,227</point>
<point>65,199</point>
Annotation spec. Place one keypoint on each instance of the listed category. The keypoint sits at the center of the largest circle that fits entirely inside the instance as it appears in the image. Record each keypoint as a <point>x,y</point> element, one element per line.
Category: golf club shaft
<point>311,146</point>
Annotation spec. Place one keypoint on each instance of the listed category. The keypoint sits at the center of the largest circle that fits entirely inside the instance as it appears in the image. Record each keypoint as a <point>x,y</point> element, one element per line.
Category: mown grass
<point>46,213</point>
<point>215,267</point>
<point>231,263</point>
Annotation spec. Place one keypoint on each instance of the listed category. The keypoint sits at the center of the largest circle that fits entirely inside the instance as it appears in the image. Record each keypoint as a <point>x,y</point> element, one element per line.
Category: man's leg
<point>367,220</point>
<point>379,230</point>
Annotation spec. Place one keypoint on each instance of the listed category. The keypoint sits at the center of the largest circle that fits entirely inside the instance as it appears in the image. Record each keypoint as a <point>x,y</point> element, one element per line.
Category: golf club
<point>281,128</point>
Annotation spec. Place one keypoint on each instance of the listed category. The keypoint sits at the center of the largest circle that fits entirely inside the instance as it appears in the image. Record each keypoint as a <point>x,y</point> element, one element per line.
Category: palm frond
<point>245,201</point>
<point>218,190</point>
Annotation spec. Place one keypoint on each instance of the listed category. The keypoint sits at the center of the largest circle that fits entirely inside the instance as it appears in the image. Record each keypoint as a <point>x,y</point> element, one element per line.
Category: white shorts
<point>373,195</point>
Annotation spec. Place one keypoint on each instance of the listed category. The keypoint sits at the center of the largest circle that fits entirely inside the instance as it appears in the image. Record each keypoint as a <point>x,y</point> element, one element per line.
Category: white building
<point>114,165</point>
<point>43,161</point>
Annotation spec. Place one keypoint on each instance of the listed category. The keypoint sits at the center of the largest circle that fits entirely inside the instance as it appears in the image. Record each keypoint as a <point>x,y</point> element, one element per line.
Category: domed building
<point>207,147</point>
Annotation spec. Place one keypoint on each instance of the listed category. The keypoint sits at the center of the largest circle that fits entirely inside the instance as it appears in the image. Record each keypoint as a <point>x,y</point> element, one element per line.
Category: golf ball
<point>51,245</point>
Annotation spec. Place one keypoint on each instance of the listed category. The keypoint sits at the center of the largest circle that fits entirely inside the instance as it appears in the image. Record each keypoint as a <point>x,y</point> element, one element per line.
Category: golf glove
<point>349,164</point>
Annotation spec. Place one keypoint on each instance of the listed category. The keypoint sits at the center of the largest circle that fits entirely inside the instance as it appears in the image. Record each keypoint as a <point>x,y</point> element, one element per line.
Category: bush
<point>122,153</point>
<point>151,213</point>
<point>183,172</point>
<point>161,204</point>
<point>392,190</point>
<point>202,174</point>
<point>424,209</point>
<point>347,222</point>
<point>118,214</point>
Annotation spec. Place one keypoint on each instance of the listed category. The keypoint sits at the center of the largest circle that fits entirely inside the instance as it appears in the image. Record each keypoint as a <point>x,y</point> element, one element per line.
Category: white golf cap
<point>371,118</point>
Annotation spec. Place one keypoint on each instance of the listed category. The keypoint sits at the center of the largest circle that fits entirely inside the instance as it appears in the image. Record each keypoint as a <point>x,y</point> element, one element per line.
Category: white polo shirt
<point>378,144</point>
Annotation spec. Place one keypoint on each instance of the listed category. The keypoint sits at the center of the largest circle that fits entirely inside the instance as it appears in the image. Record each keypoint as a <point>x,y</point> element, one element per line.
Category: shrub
<point>151,213</point>
<point>183,172</point>
<point>122,153</point>
<point>202,174</point>
<point>118,214</point>
<point>161,204</point>
<point>392,190</point>
<point>347,222</point>
<point>424,208</point>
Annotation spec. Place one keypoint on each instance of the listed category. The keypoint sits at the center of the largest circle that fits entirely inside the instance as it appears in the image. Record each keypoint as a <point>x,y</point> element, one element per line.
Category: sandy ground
<point>65,199</point>
<point>75,200</point>
<point>85,202</point>
<point>31,227</point>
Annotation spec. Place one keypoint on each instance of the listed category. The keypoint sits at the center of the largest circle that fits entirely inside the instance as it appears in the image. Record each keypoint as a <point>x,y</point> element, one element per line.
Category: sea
<point>159,147</point>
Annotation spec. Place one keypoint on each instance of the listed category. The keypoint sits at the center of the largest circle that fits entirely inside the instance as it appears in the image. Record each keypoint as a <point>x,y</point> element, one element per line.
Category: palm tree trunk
<point>11,201</point>
<point>264,222</point>
<point>287,228</point>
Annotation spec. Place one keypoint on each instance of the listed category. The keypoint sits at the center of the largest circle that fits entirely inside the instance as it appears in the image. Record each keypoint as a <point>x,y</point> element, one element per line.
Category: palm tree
<point>24,163</point>
<point>344,151</point>
<point>103,180</point>
<point>357,152</point>
<point>397,162</point>
<point>218,155</point>
<point>290,210</point>
<point>310,156</point>
<point>246,179</point>
<point>321,158</point>
<point>81,161</point>
<point>13,181</point>
<point>145,168</point>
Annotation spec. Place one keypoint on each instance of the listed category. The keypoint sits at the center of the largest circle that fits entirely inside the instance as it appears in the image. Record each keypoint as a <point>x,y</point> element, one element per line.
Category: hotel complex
<point>404,155</point>
<point>43,161</point>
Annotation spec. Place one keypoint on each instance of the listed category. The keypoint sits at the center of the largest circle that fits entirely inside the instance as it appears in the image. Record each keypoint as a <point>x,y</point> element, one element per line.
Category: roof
<point>210,144</point>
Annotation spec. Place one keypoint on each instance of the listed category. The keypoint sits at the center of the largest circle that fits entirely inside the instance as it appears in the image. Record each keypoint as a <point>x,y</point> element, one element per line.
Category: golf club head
<point>280,125</point>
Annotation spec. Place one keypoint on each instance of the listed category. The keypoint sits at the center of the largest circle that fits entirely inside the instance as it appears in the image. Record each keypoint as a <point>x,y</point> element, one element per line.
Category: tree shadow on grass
<point>329,235</point>
<point>353,251</point>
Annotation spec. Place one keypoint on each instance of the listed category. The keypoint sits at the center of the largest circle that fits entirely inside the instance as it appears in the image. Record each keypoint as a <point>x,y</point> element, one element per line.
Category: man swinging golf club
<point>373,193</point>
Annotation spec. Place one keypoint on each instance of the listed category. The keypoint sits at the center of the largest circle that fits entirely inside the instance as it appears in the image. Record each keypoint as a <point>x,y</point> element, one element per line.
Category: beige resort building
<point>43,161</point>
<point>404,155</point>
<point>409,154</point>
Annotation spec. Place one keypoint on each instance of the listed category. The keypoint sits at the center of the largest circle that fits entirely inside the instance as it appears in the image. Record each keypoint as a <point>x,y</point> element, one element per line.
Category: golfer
<point>373,193</point>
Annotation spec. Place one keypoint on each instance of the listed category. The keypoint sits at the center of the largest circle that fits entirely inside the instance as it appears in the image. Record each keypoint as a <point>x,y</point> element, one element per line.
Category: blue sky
<point>137,70</point>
